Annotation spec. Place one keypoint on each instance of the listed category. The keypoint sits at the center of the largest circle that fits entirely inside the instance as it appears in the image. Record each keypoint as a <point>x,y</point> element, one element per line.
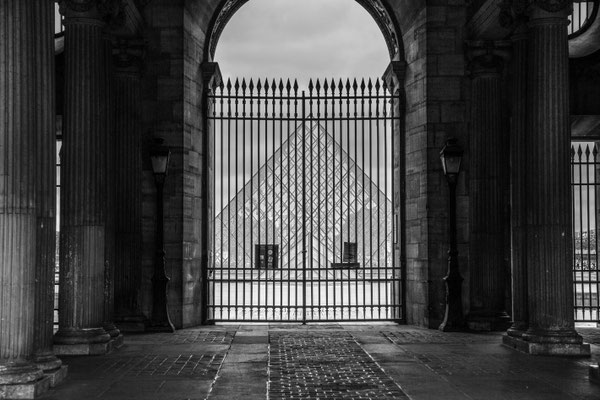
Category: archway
<point>282,273</point>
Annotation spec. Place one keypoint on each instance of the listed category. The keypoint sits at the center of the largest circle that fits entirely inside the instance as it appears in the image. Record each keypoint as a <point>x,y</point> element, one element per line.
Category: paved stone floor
<point>325,361</point>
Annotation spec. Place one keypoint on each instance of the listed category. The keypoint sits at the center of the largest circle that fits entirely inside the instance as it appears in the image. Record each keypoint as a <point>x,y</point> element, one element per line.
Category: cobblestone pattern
<point>433,337</point>
<point>325,365</point>
<point>187,337</point>
<point>185,365</point>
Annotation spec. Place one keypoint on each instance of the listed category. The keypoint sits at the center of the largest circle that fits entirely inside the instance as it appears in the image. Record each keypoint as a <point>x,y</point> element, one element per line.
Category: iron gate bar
<point>585,256</point>
<point>343,306</point>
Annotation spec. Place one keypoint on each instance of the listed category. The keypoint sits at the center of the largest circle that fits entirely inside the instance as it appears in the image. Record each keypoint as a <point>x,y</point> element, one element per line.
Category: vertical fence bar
<point>596,315</point>
<point>579,154</point>
<point>253,265</point>
<point>588,230</point>
<point>228,201</point>
<point>394,228</point>
<point>371,198</point>
<point>573,191</point>
<point>363,190</point>
<point>395,218</point>
<point>378,166</point>
<point>244,161</point>
<point>310,119</point>
<point>357,269</point>
<point>320,264</point>
<point>237,244</point>
<point>276,241</point>
<point>385,197</point>
<point>222,266</point>
<point>326,200</point>
<point>303,207</point>
<point>281,205</point>
<point>211,285</point>
<point>260,205</point>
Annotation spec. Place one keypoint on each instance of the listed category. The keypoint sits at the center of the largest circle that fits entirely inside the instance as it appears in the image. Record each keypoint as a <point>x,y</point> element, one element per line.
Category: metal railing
<point>585,181</point>
<point>583,15</point>
<point>303,202</point>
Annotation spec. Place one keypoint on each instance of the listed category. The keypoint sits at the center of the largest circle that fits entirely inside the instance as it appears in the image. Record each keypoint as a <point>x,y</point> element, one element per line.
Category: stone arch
<point>212,18</point>
<point>378,9</point>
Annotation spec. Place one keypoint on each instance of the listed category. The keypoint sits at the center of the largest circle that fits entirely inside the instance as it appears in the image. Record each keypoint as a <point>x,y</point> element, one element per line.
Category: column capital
<point>487,57</point>
<point>554,6</point>
<point>128,55</point>
<point>515,13</point>
<point>91,11</point>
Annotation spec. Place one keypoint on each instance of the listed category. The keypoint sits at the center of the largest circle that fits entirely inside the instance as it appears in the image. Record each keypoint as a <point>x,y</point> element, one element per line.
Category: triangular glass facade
<point>342,204</point>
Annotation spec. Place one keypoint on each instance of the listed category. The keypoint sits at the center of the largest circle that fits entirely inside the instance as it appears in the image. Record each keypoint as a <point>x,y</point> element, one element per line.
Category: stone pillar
<point>128,163</point>
<point>549,221</point>
<point>518,156</point>
<point>488,169</point>
<point>20,377</point>
<point>110,256</point>
<point>83,183</point>
<point>45,119</point>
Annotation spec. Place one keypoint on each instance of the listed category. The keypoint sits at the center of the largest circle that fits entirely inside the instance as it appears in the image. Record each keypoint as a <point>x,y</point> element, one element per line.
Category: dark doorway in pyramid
<point>307,235</point>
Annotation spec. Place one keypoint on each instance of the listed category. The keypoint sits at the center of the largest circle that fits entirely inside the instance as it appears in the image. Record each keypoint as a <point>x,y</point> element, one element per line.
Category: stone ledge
<point>25,390</point>
<point>595,373</point>
<point>83,349</point>
<point>547,349</point>
<point>57,376</point>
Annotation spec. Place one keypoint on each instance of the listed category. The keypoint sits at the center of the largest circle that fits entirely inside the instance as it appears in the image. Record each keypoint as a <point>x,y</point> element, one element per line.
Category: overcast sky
<point>302,39</point>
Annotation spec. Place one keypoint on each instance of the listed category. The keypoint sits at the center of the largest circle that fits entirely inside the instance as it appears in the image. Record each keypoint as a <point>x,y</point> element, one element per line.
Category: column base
<point>489,323</point>
<point>111,329</point>
<point>516,330</point>
<point>546,347</point>
<point>72,342</point>
<point>22,381</point>
<point>131,324</point>
<point>52,368</point>
<point>595,373</point>
<point>29,390</point>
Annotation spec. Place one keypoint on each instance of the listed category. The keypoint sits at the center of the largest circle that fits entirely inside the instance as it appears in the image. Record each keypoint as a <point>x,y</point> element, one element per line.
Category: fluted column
<point>518,156</point>
<point>110,257</point>
<point>19,376</point>
<point>83,236</point>
<point>46,191</point>
<point>128,164</point>
<point>549,206</point>
<point>489,165</point>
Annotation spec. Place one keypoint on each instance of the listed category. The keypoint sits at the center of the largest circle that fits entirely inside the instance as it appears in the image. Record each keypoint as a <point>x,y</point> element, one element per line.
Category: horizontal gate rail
<point>303,204</point>
<point>585,181</point>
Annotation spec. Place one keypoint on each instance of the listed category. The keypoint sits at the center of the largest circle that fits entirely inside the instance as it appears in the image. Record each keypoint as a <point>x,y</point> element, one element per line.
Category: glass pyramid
<point>342,204</point>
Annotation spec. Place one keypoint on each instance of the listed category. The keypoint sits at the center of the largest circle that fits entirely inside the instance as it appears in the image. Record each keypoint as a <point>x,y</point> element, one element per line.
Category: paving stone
<point>186,337</point>
<point>325,365</point>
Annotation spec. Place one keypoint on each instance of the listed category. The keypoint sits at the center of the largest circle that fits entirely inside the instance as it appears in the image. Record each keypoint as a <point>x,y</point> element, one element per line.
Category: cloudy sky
<point>297,39</point>
<point>302,39</point>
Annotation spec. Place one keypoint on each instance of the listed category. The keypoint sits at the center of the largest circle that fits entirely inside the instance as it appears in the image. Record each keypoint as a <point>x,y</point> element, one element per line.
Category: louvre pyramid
<point>342,204</point>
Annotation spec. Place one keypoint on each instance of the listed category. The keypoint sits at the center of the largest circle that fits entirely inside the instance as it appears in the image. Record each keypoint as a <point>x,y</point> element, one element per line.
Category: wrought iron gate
<point>303,206</point>
<point>585,182</point>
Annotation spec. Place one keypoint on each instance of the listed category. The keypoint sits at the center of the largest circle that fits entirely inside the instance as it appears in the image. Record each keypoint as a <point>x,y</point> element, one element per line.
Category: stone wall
<point>446,116</point>
<point>433,37</point>
<point>163,117</point>
<point>435,110</point>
